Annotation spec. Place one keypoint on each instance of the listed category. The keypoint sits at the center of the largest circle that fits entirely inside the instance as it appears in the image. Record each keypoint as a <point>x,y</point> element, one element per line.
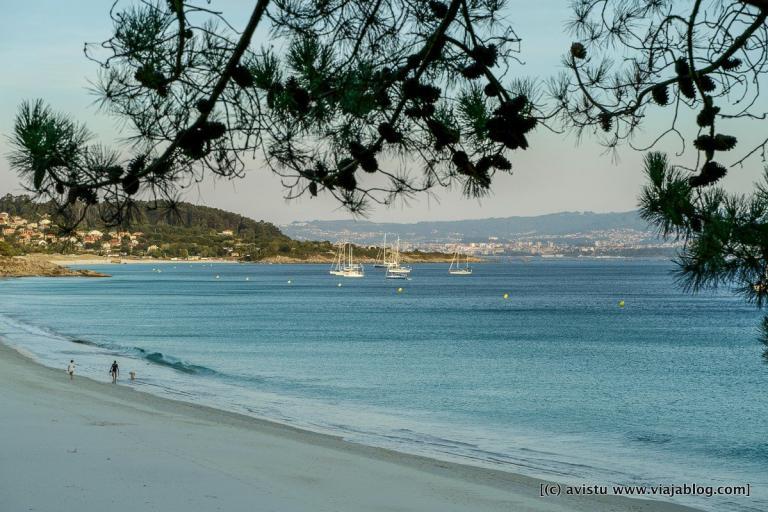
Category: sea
<point>582,371</point>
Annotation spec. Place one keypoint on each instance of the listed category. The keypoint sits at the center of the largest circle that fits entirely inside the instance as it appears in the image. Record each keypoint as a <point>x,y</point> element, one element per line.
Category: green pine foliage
<point>726,234</point>
<point>343,101</point>
<point>7,250</point>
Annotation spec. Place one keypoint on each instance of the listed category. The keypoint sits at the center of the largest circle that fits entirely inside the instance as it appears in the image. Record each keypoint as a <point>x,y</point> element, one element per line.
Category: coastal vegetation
<point>702,67</point>
<point>7,249</point>
<point>158,230</point>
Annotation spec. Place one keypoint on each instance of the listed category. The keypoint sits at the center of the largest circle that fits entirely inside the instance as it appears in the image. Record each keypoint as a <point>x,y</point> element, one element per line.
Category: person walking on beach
<point>114,371</point>
<point>71,369</point>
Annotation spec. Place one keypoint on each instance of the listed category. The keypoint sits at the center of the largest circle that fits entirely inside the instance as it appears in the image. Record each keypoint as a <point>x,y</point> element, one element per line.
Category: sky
<point>41,51</point>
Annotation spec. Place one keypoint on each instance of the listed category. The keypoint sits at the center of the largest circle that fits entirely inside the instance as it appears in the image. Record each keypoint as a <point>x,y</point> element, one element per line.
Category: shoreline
<point>78,260</point>
<point>217,449</point>
<point>276,260</point>
<point>21,266</point>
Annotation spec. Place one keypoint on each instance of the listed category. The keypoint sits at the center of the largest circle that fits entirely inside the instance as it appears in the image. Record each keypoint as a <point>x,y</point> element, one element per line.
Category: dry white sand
<point>88,446</point>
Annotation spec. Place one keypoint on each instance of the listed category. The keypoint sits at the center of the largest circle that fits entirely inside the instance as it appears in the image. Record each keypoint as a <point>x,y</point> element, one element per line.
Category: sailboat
<point>352,269</point>
<point>344,265</point>
<point>381,257</point>
<point>337,268</point>
<point>396,270</point>
<point>456,269</point>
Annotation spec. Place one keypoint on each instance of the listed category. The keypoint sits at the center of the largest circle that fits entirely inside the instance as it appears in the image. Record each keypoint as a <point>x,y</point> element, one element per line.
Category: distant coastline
<point>21,266</point>
<point>82,260</point>
<point>58,265</point>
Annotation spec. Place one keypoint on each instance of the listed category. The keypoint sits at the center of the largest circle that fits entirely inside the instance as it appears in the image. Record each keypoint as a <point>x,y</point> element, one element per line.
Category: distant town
<point>614,243</point>
<point>41,235</point>
<point>558,235</point>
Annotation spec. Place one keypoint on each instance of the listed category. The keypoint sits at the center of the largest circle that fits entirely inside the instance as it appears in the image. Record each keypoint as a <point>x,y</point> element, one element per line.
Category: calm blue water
<point>556,381</point>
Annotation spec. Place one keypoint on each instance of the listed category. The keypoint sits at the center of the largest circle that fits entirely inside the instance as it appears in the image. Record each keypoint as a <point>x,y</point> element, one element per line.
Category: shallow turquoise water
<point>556,381</point>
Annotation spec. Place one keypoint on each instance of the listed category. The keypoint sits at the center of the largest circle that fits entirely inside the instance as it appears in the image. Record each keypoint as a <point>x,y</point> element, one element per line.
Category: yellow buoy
<point>399,290</point>
<point>621,303</point>
<point>506,295</point>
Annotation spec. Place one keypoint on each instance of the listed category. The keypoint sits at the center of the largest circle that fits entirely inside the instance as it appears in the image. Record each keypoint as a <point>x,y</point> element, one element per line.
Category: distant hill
<point>555,224</point>
<point>158,215</point>
<point>188,230</point>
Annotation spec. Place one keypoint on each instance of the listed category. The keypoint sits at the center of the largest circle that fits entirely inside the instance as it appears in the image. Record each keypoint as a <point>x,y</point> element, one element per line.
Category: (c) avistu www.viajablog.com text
<point>555,489</point>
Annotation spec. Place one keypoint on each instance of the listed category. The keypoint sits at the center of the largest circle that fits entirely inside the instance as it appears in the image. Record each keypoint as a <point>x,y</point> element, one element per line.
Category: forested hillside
<point>156,230</point>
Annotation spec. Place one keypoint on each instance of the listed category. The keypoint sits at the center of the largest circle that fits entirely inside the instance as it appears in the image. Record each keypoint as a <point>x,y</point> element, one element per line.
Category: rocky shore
<point>20,266</point>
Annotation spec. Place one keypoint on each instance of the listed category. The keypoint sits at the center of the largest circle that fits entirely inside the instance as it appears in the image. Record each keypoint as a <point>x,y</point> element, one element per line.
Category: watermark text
<point>661,490</point>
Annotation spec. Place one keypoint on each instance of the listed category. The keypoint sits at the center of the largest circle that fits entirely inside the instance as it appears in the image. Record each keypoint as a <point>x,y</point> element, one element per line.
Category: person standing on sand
<point>114,371</point>
<point>71,369</point>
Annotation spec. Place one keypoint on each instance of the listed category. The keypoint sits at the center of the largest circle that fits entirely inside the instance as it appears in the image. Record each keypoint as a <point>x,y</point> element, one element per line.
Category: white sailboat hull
<point>344,266</point>
<point>456,269</point>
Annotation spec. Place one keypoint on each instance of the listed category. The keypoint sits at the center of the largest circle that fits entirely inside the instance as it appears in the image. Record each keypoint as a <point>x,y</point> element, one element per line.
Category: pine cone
<point>389,134</point>
<point>711,172</point>
<point>732,64</point>
<point>130,184</point>
<point>707,84</point>
<point>485,55</point>
<point>242,76</point>
<point>578,51</point>
<point>491,90</point>
<point>606,121</point>
<point>660,95</point>
<point>439,9</point>
<point>473,71</point>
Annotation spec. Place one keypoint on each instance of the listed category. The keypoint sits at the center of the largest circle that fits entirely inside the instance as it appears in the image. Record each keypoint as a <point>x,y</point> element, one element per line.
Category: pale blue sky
<point>41,44</point>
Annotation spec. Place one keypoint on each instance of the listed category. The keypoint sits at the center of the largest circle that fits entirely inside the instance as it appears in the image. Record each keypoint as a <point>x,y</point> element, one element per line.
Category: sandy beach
<point>85,260</point>
<point>92,446</point>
